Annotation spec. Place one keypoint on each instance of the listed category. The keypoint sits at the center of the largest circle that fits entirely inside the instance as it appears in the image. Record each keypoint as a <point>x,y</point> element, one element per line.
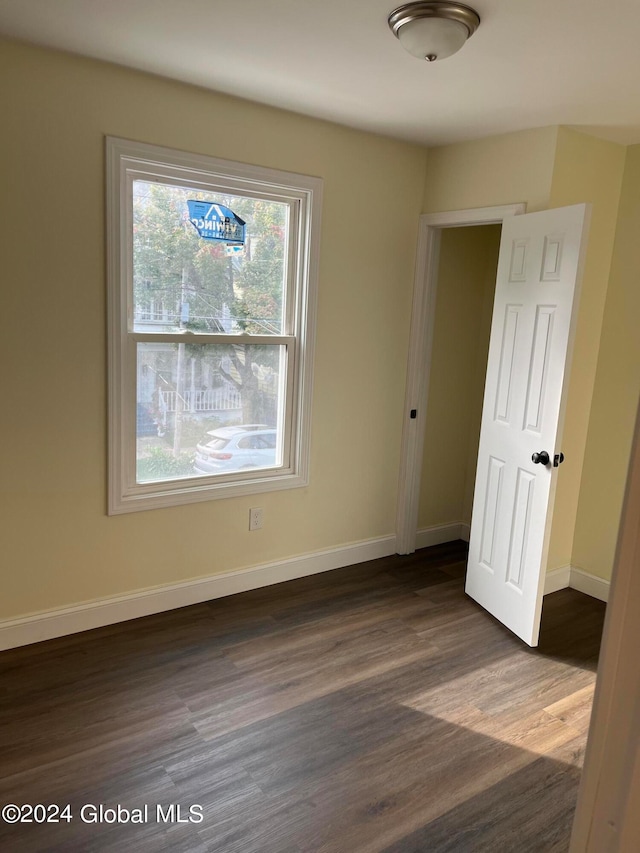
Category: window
<point>212,269</point>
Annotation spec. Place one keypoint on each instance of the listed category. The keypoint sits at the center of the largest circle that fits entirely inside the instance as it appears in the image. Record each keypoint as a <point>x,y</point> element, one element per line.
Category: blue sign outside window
<point>215,222</point>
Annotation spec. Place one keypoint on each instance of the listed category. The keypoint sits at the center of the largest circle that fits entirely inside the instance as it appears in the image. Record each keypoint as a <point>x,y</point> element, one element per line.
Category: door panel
<point>529,354</point>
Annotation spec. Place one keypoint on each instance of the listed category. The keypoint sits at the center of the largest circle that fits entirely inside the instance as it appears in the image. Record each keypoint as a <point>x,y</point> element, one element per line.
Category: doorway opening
<point>432,227</point>
<point>466,281</point>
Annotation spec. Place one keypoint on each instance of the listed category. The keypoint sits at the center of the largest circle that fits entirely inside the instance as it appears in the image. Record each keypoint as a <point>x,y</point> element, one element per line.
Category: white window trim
<point>123,157</point>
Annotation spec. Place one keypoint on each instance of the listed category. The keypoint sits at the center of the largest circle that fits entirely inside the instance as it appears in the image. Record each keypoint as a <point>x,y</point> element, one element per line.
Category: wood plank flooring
<point>373,709</point>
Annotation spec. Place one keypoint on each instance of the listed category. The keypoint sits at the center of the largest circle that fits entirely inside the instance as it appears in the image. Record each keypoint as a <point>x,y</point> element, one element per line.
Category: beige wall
<point>616,392</point>
<point>58,545</point>
<point>505,169</point>
<point>464,303</point>
<point>586,169</point>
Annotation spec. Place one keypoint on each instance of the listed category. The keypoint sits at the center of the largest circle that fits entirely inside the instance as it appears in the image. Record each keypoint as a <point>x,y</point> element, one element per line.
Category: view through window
<point>191,396</point>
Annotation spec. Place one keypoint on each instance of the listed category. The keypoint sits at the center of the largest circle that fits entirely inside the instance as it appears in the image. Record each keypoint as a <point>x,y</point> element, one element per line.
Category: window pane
<point>210,283</point>
<point>197,404</point>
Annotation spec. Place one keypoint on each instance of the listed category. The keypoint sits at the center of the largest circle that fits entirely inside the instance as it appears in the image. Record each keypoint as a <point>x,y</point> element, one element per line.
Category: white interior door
<point>529,353</point>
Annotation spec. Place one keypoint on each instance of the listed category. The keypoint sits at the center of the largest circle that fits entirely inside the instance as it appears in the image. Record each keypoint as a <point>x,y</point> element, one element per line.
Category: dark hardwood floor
<point>367,710</point>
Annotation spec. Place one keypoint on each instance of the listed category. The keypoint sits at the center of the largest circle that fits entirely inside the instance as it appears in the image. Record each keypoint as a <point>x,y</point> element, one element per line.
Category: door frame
<point>607,816</point>
<point>419,358</point>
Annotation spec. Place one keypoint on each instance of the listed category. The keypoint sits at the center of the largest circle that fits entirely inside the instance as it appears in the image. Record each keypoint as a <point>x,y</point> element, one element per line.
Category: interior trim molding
<point>557,579</point>
<point>108,611</point>
<point>574,578</point>
<point>440,533</point>
<point>590,584</point>
<point>607,813</point>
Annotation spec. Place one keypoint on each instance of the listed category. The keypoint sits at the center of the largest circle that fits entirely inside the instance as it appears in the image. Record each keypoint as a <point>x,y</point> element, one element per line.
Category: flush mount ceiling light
<point>433,29</point>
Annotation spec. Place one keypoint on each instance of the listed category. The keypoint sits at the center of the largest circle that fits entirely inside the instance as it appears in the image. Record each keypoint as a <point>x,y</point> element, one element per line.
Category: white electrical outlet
<point>255,518</point>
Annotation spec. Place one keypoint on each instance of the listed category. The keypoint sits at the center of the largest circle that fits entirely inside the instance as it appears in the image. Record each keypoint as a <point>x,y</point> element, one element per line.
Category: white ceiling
<point>531,63</point>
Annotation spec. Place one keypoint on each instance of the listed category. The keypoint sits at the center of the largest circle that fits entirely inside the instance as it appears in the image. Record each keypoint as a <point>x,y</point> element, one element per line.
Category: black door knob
<point>541,458</point>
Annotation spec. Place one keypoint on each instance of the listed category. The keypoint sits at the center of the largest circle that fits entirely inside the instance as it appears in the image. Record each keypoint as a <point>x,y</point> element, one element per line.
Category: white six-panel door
<point>531,335</point>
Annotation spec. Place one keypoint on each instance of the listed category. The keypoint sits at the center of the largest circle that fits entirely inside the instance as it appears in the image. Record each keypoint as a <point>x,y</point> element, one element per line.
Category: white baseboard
<point>440,533</point>
<point>590,584</point>
<point>570,576</point>
<point>557,579</point>
<point>465,531</point>
<point>107,611</point>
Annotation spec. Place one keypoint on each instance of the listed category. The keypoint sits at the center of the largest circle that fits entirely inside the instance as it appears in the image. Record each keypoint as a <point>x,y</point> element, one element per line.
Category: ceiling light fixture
<point>433,29</point>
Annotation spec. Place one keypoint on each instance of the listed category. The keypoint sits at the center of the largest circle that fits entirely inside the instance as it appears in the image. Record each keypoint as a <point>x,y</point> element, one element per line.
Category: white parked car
<point>228,449</point>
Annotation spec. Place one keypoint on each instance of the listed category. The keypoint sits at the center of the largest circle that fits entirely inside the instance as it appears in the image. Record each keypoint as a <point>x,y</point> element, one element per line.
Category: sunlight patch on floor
<point>555,729</point>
